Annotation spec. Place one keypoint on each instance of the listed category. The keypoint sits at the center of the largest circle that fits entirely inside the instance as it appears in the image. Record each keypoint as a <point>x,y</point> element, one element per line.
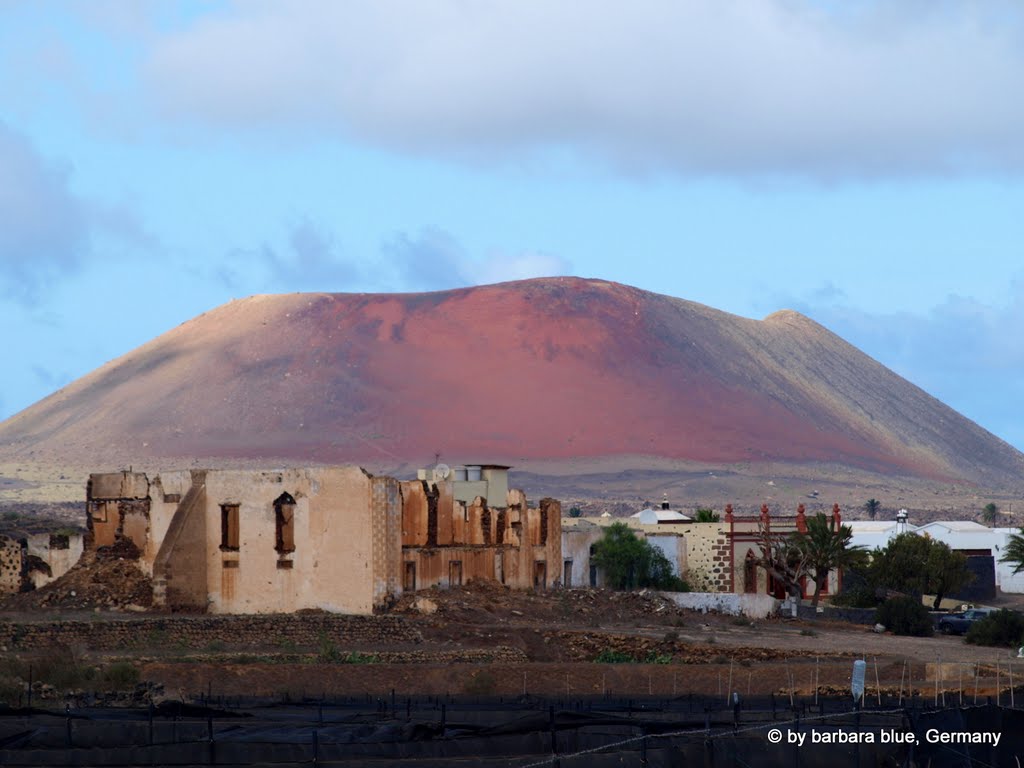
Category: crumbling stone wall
<point>11,565</point>
<point>447,542</point>
<point>197,632</point>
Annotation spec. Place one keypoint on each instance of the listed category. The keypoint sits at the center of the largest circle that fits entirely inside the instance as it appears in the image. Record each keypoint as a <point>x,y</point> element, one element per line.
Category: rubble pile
<point>97,581</point>
<point>485,602</point>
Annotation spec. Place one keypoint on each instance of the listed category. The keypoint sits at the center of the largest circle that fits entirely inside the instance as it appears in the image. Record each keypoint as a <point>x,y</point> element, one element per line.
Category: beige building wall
<point>180,564</point>
<point>707,556</point>
<point>332,566</point>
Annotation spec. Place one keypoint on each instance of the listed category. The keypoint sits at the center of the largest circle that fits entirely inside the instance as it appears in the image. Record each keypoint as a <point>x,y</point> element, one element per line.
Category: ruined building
<point>32,561</point>
<point>336,538</point>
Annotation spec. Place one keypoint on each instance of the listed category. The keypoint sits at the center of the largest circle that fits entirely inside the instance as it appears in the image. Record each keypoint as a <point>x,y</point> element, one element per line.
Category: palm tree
<point>1013,552</point>
<point>826,548</point>
<point>871,507</point>
<point>989,513</point>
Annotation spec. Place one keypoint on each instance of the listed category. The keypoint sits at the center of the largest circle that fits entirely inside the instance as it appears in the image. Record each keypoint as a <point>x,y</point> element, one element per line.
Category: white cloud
<point>704,86</point>
<point>44,231</point>
<point>429,260</point>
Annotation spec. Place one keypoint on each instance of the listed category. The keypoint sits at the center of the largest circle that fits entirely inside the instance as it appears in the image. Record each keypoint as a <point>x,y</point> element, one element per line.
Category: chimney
<point>901,522</point>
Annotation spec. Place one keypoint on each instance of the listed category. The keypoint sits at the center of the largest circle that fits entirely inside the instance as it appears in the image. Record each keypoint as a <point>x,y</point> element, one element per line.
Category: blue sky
<point>860,162</point>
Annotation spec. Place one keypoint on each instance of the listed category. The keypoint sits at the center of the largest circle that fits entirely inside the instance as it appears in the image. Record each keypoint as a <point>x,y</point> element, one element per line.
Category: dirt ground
<point>574,642</point>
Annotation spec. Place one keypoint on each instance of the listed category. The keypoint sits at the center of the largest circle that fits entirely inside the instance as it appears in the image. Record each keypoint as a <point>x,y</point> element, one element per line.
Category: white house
<point>964,536</point>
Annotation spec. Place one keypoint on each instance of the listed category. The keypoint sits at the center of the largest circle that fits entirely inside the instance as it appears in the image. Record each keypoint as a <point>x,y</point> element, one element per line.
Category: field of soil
<point>487,640</point>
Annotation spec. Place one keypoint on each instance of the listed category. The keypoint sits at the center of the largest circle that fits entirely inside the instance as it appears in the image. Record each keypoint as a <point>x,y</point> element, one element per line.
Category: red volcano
<point>547,368</point>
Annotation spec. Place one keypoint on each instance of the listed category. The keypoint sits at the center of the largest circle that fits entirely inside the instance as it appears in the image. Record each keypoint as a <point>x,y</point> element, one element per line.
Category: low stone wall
<point>752,606</point>
<point>350,632</point>
<point>835,613</point>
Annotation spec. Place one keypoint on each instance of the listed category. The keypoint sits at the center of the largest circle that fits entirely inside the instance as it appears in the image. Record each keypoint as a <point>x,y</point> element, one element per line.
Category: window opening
<point>455,573</point>
<point>540,574</point>
<point>229,527</point>
<point>284,516</point>
<point>409,580</point>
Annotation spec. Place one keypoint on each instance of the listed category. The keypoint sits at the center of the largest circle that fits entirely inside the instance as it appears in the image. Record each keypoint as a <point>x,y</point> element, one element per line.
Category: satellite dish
<point>442,471</point>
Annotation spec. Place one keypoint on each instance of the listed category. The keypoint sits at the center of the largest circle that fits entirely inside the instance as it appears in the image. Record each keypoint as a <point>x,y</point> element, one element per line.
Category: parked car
<point>959,623</point>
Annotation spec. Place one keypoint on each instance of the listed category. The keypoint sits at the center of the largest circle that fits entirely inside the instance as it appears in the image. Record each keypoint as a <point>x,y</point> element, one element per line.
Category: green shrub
<point>905,616</point>
<point>657,658</point>
<point>609,656</point>
<point>329,653</point>
<point>355,657</point>
<point>1004,627</point>
<point>631,562</point>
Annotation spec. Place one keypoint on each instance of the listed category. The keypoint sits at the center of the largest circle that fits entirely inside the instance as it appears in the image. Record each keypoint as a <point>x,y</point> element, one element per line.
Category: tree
<point>990,513</point>
<point>947,571</point>
<point>919,565</point>
<point>630,562</point>
<point>781,559</point>
<point>824,548</point>
<point>871,507</point>
<point>706,516</point>
<point>575,512</point>
<point>1013,552</point>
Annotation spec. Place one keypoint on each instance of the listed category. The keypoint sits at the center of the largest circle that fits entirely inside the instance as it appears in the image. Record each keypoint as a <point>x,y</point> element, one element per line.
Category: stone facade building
<point>335,538</point>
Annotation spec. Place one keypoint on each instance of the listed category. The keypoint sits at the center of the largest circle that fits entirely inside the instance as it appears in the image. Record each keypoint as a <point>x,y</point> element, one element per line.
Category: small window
<point>540,575</point>
<point>284,516</point>
<point>230,563</point>
<point>409,580</point>
<point>285,565</point>
<point>229,527</point>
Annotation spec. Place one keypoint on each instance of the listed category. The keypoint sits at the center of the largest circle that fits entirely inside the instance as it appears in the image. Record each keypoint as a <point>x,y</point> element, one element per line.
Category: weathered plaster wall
<point>332,566</point>
<point>180,565</point>
<point>576,544</point>
<point>59,552</point>
<point>752,606</point>
<point>166,493</point>
<point>119,505</point>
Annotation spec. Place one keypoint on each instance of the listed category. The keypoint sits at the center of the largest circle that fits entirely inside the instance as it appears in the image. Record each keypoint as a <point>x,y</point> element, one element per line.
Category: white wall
<point>752,606</point>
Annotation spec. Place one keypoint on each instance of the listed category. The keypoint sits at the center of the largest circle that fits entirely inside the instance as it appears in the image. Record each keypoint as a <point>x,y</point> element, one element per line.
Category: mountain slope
<point>546,368</point>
